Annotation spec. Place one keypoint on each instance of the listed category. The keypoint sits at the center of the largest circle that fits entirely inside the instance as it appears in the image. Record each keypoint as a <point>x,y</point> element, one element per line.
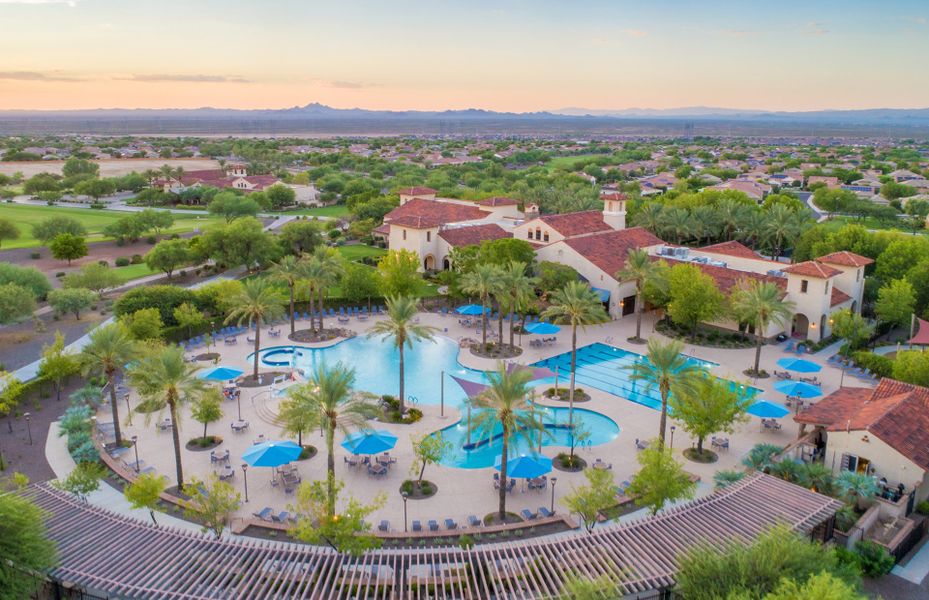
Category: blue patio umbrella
<point>768,410</point>
<point>798,389</point>
<point>370,442</point>
<point>799,365</point>
<point>543,328</point>
<point>220,373</point>
<point>272,454</point>
<point>471,309</point>
<point>525,466</point>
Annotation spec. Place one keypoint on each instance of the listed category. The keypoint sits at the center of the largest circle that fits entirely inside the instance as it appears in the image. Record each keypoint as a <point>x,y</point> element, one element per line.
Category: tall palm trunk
<point>117,430</point>
<point>500,325</point>
<point>402,369</point>
<point>321,308</point>
<point>312,311</point>
<point>330,467</point>
<point>758,340</point>
<point>571,386</point>
<point>483,322</point>
<point>512,320</point>
<point>257,346</point>
<point>176,435</point>
<point>293,318</point>
<point>504,479</point>
<point>665,390</point>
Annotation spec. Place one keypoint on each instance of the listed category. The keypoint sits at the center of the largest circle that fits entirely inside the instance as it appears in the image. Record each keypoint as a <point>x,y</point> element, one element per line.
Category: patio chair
<point>789,346</point>
<point>640,445</point>
<point>511,486</point>
<point>433,525</point>
<point>280,517</point>
<point>544,512</point>
<point>527,514</point>
<point>417,525</point>
<point>264,514</point>
<point>451,524</point>
<point>782,375</point>
<point>473,521</point>
<point>384,526</point>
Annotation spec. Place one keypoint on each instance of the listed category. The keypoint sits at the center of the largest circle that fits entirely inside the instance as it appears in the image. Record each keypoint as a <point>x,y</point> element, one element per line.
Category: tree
<point>164,379</point>
<point>231,206</point>
<point>48,229</point>
<point>300,237</point>
<point>259,301</point>
<point>71,300</point>
<point>208,408</point>
<point>83,480</point>
<point>280,196</point>
<point>708,405</point>
<point>399,271</point>
<point>78,166</point>
<point>92,276</point>
<point>761,457</point>
<point>582,587</point>
<point>16,303</point>
<point>427,450</point>
<point>756,570</point>
<point>318,522</point>
<point>143,325</point>
<point>145,492</point>
<point>516,293</point>
<point>896,303</point>
<point>851,327</point>
<point>168,297</point>
<point>576,305</point>
<point>506,250</point>
<point>590,500</point>
<point>24,546</point>
<point>57,365</point>
<point>359,283</point>
<point>820,586</point>
<point>504,409</point>
<point>694,296</point>
<point>155,220</point>
<point>289,270</point>
<point>640,269</point>
<point>28,277</point>
<point>211,503</point>
<point>334,406</point>
<point>68,247</point>
<point>108,350</point>
<point>95,188</point>
<point>8,231</point>
<point>189,316</point>
<point>167,255</point>
<point>483,282</point>
<point>761,304</point>
<point>660,479</point>
<point>403,331</point>
<point>242,242</point>
<point>912,366</point>
<point>129,228</point>
<point>554,276</point>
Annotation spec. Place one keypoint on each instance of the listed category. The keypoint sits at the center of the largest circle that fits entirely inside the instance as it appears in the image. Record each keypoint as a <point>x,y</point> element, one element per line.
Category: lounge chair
<point>417,526</point>
<point>451,524</point>
<point>384,526</point>
<point>473,521</point>
<point>264,514</point>
<point>433,525</point>
<point>544,512</point>
<point>527,514</point>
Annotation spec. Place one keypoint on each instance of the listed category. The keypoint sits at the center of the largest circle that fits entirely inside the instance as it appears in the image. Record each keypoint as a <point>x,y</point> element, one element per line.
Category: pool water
<point>606,368</point>
<point>601,428</point>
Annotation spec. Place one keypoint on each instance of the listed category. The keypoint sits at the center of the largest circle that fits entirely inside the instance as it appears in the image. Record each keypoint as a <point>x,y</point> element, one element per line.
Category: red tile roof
<point>383,229</point>
<point>838,297</point>
<point>845,259</point>
<point>416,191</point>
<point>895,412</point>
<point>498,202</point>
<point>608,250</point>
<point>731,249</point>
<point>419,213</point>
<point>473,235</point>
<point>614,196</point>
<point>727,278</point>
<point>576,223</point>
<point>811,268</point>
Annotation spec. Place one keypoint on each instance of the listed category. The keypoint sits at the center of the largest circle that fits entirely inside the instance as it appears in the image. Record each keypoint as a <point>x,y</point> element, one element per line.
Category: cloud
<point>193,78</point>
<point>33,75</point>
<point>71,3</point>
<point>636,33</point>
<point>815,28</point>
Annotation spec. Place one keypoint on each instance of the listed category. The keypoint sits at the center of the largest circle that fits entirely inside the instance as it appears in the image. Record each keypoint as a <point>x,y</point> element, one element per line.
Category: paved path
<point>917,568</point>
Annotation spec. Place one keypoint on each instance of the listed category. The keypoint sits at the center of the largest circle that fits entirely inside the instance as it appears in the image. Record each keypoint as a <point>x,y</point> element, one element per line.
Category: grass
<point>838,222</point>
<point>359,251</point>
<point>336,210</point>
<point>130,272</point>
<point>25,216</point>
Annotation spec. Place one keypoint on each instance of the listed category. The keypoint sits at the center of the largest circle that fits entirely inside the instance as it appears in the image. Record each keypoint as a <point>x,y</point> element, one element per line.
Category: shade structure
<point>220,373</point>
<point>768,410</point>
<point>525,466</point>
<point>470,309</point>
<point>272,454</point>
<point>922,334</point>
<point>537,372</point>
<point>799,365</point>
<point>799,389</point>
<point>542,328</point>
<point>471,388</point>
<point>370,442</point>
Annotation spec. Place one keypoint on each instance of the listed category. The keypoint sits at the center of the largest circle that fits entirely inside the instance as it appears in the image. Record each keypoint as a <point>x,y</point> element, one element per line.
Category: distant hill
<point>315,118</point>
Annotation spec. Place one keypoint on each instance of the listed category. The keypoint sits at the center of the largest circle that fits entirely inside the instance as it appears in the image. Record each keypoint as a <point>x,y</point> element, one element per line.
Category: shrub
<point>122,261</point>
<point>27,277</point>
<point>923,507</point>
<point>466,541</point>
<point>35,255</point>
<point>875,560</point>
<point>845,518</point>
<point>163,297</point>
<point>151,240</point>
<point>136,259</point>
<point>881,366</point>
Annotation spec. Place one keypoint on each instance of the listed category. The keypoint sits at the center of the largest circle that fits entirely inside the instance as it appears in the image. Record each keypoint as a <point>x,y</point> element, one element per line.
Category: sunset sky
<point>517,55</point>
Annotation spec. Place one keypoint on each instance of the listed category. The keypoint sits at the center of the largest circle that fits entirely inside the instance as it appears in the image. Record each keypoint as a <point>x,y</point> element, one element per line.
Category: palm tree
<point>731,215</point>
<point>288,270</point>
<point>164,379</point>
<point>665,366</point>
<point>109,349</point>
<point>258,301</point>
<point>706,222</point>
<point>504,407</point>
<point>817,477</point>
<point>762,304</point>
<point>312,273</point>
<point>754,226</point>
<point>650,217</point>
<point>782,224</point>
<point>761,457</point>
<point>855,487</point>
<point>675,222</point>
<point>640,269</point>
<point>575,304</point>
<point>483,281</point>
<point>400,327</point>
<point>330,269</point>
<point>517,289</point>
<point>331,404</point>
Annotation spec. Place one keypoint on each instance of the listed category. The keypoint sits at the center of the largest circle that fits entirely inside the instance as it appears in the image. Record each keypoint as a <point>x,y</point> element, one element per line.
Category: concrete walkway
<point>917,568</point>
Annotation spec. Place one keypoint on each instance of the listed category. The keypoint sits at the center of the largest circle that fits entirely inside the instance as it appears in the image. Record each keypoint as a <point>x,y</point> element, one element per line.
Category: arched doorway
<point>800,326</point>
<point>429,263</point>
<point>446,264</point>
<point>854,306</point>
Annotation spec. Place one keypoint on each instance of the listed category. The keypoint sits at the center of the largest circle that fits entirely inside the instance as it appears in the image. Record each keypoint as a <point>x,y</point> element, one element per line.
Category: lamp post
<point>28,427</point>
<point>135,447</point>
<point>238,401</point>
<point>672,436</point>
<point>405,497</point>
<point>128,410</point>
<point>554,480</point>
<point>245,479</point>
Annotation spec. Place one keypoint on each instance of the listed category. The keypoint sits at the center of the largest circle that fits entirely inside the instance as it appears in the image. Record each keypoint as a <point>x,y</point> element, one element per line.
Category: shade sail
<point>471,388</point>
<point>922,334</point>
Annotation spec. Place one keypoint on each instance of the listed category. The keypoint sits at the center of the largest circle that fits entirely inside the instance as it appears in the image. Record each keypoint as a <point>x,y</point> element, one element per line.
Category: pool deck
<point>462,492</point>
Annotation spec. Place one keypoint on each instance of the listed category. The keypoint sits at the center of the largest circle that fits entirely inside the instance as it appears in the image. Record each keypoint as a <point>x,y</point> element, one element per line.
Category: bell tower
<point>614,209</point>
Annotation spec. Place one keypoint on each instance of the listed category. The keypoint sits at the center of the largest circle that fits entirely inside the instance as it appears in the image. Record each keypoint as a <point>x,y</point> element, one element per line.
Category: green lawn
<point>336,210</point>
<point>24,216</point>
<point>869,223</point>
<point>130,272</point>
<point>359,251</point>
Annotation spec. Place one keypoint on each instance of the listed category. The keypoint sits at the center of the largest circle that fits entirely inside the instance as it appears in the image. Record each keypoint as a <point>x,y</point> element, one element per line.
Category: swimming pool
<point>479,453</point>
<point>605,368</point>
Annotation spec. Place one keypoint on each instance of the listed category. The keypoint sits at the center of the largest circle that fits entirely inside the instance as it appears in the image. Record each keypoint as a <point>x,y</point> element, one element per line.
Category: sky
<point>510,55</point>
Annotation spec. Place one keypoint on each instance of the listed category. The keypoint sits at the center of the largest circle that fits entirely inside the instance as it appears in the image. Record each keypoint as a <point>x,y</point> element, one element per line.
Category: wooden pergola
<point>106,553</point>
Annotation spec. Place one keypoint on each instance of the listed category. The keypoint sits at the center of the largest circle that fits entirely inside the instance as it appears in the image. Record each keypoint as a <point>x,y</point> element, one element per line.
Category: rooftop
<point>419,213</point>
<point>811,268</point>
<point>845,259</point>
<point>576,223</point>
<point>608,250</point>
<point>472,235</point>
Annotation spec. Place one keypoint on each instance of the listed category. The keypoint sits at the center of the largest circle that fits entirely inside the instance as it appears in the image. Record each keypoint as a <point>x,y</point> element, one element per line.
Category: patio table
<point>239,426</point>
